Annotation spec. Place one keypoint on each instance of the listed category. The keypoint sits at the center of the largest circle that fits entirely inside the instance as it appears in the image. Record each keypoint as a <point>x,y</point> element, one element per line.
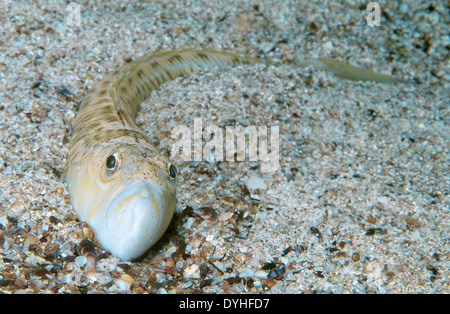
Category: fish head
<point>126,195</point>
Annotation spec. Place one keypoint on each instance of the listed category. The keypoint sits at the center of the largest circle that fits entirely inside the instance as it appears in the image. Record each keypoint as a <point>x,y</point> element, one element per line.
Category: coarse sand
<point>359,204</point>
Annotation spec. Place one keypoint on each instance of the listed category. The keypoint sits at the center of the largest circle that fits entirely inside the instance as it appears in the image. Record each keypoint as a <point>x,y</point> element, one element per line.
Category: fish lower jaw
<point>132,223</point>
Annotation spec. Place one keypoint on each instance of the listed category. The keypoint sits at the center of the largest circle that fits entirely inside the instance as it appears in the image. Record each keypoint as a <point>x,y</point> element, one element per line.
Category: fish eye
<point>112,162</point>
<point>172,172</point>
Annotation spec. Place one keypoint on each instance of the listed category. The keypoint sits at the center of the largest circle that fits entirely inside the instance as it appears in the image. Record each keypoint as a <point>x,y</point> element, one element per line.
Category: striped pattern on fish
<point>119,182</point>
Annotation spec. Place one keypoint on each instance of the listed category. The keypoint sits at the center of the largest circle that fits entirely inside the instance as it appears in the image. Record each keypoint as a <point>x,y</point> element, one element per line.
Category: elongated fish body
<point>119,182</point>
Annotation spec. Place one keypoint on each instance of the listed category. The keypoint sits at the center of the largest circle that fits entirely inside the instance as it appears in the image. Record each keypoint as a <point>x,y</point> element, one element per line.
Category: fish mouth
<point>133,219</point>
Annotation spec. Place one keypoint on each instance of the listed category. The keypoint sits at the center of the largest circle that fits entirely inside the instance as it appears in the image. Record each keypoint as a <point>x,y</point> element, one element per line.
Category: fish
<point>119,183</point>
<point>348,71</point>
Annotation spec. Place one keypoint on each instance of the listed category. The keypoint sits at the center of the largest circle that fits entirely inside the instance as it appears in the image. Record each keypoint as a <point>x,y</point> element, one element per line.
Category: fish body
<point>118,181</point>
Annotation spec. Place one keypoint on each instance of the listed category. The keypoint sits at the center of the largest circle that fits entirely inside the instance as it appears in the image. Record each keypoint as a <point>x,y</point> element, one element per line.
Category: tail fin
<point>347,71</point>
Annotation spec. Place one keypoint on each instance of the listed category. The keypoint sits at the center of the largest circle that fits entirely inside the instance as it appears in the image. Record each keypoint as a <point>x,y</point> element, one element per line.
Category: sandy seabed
<point>359,204</point>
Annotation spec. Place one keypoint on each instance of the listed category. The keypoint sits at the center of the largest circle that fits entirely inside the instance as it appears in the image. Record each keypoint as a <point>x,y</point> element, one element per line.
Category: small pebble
<point>124,282</point>
<point>81,261</point>
<point>255,182</point>
<point>192,271</point>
